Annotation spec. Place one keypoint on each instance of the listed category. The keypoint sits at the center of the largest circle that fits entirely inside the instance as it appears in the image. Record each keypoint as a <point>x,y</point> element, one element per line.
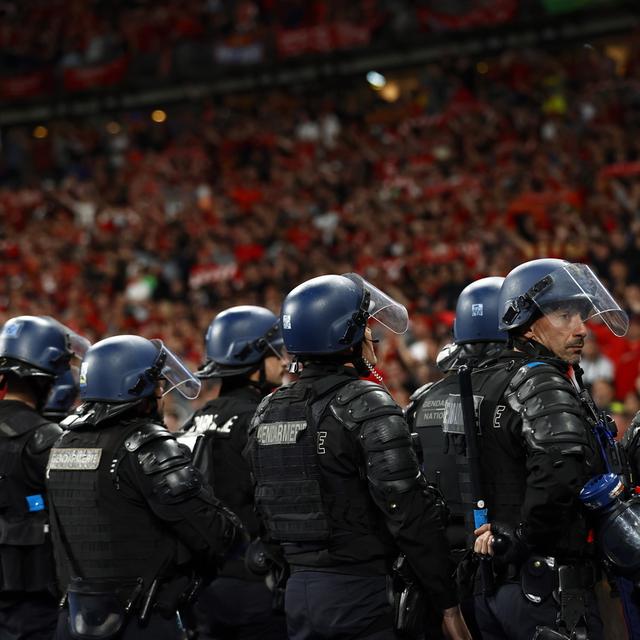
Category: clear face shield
<point>77,344</point>
<point>574,291</point>
<point>176,374</point>
<point>381,307</point>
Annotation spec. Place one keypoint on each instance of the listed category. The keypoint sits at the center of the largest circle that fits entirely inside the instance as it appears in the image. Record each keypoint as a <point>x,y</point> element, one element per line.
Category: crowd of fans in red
<point>122,224</point>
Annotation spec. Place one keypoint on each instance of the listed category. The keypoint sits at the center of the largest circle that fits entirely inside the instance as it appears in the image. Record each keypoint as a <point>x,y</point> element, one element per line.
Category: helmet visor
<point>387,311</point>
<point>574,290</point>
<point>176,373</point>
<point>78,344</point>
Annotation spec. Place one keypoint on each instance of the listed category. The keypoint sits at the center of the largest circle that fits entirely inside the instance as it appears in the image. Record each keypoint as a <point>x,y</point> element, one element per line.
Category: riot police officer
<point>538,449</point>
<point>33,351</point>
<point>337,479</point>
<point>135,529</point>
<point>434,411</point>
<point>244,354</point>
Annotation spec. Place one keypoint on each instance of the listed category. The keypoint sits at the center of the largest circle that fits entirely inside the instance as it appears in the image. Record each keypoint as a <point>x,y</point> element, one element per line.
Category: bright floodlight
<point>376,80</point>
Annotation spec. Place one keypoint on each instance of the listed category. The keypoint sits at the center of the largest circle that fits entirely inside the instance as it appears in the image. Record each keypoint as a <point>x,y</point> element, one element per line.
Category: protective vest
<point>297,502</point>
<point>524,400</point>
<point>26,562</point>
<point>503,470</point>
<point>224,423</point>
<point>101,530</point>
<point>437,419</point>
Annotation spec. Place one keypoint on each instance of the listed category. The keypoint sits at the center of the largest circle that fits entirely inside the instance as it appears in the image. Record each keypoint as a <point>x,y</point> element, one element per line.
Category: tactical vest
<point>297,502</point>
<point>224,423</point>
<point>503,454</point>
<point>102,530</point>
<point>502,457</point>
<point>26,562</point>
<point>437,418</point>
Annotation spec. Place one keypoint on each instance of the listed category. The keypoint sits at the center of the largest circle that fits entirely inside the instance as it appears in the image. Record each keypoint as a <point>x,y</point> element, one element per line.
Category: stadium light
<point>158,115</point>
<point>376,80</point>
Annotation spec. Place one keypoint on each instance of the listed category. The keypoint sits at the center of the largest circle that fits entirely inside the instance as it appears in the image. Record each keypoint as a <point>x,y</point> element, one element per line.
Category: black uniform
<point>28,596</point>
<point>537,452</point>
<point>338,484</point>
<point>238,603</point>
<point>133,518</point>
<point>438,421</point>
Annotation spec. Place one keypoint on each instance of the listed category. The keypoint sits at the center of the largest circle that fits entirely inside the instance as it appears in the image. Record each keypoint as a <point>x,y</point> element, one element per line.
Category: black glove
<point>510,543</point>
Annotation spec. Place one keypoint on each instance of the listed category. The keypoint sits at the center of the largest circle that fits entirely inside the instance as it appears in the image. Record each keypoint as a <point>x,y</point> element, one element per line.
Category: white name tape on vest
<point>74,459</point>
<point>280,432</point>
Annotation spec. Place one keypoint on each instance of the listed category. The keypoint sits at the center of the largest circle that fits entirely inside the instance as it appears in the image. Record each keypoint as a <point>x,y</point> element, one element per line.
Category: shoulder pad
<point>362,400</point>
<point>161,454</point>
<point>145,433</point>
<point>45,437</point>
<point>538,389</point>
<point>420,391</point>
<point>551,410</point>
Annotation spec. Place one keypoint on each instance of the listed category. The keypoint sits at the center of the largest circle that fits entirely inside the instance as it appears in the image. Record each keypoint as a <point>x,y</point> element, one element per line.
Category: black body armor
<point>26,559</point>
<point>537,450</point>
<point>296,502</point>
<point>224,423</point>
<point>435,414</point>
<point>338,481</point>
<point>100,530</point>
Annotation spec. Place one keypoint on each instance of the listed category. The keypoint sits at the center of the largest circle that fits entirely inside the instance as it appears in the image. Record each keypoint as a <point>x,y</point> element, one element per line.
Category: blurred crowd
<point>123,224</point>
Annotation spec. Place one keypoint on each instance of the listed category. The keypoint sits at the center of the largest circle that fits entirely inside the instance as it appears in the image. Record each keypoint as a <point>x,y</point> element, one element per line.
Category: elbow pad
<point>392,464</point>
<point>551,411</point>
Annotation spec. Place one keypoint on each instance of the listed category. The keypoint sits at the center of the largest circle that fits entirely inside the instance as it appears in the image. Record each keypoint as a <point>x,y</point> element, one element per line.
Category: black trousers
<point>157,628</point>
<point>321,606</point>
<point>235,609</point>
<point>32,617</point>
<point>508,615</point>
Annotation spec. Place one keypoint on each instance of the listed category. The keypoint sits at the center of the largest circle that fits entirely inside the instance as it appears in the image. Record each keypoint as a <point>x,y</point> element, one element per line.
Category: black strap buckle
<point>357,320</point>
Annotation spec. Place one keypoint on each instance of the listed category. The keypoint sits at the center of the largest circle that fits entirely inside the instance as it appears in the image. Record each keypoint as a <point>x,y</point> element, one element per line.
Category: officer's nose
<point>580,329</point>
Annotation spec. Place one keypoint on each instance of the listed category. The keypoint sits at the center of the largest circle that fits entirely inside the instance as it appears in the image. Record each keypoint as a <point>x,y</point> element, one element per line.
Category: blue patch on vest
<point>533,364</point>
<point>35,502</point>
<point>480,517</point>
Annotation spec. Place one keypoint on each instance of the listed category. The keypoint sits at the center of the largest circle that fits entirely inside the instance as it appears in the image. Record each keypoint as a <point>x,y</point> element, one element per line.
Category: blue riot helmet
<point>239,339</point>
<point>119,373</point>
<point>617,523</point>
<point>38,346</point>
<point>477,313</point>
<point>549,287</point>
<point>476,336</point>
<point>62,395</point>
<point>328,314</point>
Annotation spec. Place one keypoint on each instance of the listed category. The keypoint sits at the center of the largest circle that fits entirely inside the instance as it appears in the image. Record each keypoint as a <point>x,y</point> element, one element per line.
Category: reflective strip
<point>74,459</point>
<point>280,432</point>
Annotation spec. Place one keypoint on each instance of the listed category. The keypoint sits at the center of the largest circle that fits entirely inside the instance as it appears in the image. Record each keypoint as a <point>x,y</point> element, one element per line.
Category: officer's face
<point>368,352</point>
<point>564,334</point>
<point>274,369</point>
